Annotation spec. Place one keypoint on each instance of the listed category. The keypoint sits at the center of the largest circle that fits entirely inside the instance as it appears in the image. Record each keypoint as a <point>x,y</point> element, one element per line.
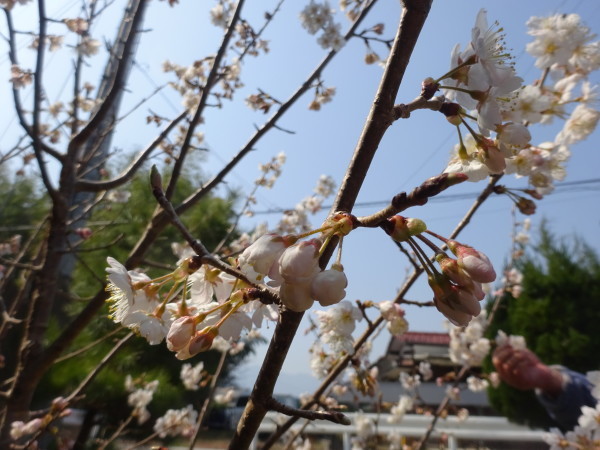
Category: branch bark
<point>341,365</point>
<point>378,121</point>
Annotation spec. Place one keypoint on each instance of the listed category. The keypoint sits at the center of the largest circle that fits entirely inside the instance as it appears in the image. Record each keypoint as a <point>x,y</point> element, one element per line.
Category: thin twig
<point>117,432</point>
<point>377,123</point>
<point>210,80</point>
<point>208,399</point>
<point>341,365</point>
<point>331,416</point>
<point>90,376</point>
<point>129,172</point>
<point>85,348</point>
<point>198,247</point>
<point>419,196</point>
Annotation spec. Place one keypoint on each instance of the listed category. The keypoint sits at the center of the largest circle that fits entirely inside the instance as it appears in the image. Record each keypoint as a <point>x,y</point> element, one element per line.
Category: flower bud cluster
<point>457,290</point>
<point>190,323</point>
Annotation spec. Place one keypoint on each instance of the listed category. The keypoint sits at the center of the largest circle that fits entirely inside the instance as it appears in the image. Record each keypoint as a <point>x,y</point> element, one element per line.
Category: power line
<point>569,185</point>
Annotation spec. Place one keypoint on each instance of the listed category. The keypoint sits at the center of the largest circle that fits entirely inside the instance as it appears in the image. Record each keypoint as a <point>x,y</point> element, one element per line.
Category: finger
<point>502,353</point>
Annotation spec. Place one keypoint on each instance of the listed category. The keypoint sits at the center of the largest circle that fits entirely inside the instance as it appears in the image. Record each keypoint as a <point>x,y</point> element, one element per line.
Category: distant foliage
<point>557,312</point>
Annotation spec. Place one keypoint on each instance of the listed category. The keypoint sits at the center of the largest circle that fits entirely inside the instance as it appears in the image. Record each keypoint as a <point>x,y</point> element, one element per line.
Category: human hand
<point>523,370</point>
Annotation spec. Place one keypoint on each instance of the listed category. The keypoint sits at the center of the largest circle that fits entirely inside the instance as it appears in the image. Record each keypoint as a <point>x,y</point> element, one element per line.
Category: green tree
<point>119,225</point>
<point>558,313</point>
<point>23,205</point>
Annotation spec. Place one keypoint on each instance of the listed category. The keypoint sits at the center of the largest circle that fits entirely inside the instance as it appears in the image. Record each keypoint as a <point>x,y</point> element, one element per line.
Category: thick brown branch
<point>341,365</point>
<point>379,119</point>
<point>161,219</point>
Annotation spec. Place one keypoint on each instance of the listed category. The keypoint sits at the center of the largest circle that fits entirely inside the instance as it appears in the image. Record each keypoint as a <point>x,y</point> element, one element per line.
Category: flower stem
<point>468,62</point>
<point>423,260</point>
<point>441,238</point>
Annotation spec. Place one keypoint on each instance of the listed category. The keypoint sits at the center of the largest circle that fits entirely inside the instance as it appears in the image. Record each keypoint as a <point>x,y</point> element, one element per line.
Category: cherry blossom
<point>475,263</point>
<point>328,287</point>
<point>192,375</point>
<point>176,422</point>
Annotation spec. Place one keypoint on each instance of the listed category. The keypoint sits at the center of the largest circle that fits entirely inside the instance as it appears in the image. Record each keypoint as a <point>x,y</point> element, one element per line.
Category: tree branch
<point>418,197</point>
<point>116,88</point>
<point>331,416</point>
<point>12,55</point>
<point>161,219</point>
<point>210,80</point>
<point>379,119</point>
<point>341,365</point>
<point>129,172</point>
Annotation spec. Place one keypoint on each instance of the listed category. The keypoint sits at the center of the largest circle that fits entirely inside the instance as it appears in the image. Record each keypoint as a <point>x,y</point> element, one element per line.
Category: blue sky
<point>411,151</point>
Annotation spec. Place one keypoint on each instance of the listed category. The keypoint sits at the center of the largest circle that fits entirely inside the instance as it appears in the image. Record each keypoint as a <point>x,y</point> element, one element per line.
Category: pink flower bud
<point>475,263</point>
<point>296,296</point>
<point>328,287</point>
<point>180,333</point>
<point>457,275</point>
<point>200,342</point>
<point>452,270</point>
<point>263,253</point>
<point>203,340</point>
<point>534,194</point>
<point>455,304</point>
<point>464,301</point>
<point>299,262</point>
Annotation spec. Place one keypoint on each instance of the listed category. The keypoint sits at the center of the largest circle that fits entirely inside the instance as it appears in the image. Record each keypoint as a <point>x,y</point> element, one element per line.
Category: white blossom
<point>176,422</point>
<point>397,411</point>
<point>476,384</point>
<point>191,375</point>
<point>579,126</point>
